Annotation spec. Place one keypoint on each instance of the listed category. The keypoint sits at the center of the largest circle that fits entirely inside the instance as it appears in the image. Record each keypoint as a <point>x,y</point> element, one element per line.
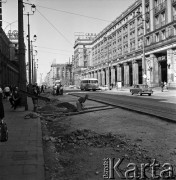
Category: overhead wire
<point>76,14</point>
<point>55,28</point>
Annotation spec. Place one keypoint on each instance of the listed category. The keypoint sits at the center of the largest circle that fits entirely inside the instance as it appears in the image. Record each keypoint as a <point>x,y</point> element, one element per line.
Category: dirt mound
<point>49,107</point>
<point>70,107</point>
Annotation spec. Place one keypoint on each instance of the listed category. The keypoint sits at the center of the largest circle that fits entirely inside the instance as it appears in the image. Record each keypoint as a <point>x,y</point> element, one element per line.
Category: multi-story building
<point>62,72</point>
<point>9,71</point>
<point>137,47</point>
<point>82,56</point>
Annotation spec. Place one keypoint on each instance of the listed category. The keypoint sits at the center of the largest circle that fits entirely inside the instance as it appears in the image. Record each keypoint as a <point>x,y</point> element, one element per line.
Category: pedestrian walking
<point>79,103</point>
<point>35,98</point>
<point>15,98</point>
<point>1,106</point>
<point>165,85</point>
<point>6,92</point>
<point>162,86</point>
<point>42,89</point>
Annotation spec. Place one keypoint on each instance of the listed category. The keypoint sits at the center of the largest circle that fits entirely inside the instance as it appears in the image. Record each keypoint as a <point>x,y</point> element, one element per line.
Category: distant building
<point>82,56</point>
<point>62,72</point>
<point>139,46</point>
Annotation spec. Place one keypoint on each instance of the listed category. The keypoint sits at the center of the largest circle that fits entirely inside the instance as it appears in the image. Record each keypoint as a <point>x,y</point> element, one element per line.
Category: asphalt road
<point>144,104</point>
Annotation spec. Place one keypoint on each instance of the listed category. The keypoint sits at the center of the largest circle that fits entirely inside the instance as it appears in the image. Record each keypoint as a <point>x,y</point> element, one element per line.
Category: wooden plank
<point>33,96</point>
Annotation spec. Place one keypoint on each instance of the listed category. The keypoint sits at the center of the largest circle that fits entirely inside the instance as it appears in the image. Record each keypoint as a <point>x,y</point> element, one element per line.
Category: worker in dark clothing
<point>1,106</point>
<point>15,99</point>
<point>80,102</point>
<point>35,99</point>
<point>42,89</point>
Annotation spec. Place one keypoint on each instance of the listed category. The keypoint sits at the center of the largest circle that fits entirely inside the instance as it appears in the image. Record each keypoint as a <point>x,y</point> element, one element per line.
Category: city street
<point>163,107</point>
<point>153,137</point>
<point>87,89</point>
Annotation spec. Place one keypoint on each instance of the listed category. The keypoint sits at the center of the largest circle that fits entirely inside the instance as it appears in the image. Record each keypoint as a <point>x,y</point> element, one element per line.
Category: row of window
<point>161,35</point>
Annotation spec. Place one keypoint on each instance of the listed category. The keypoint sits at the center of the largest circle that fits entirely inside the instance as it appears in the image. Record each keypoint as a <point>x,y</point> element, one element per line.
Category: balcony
<point>163,6</point>
<point>157,9</point>
<point>147,30</point>
<point>139,23</point>
<point>157,26</point>
<point>163,23</point>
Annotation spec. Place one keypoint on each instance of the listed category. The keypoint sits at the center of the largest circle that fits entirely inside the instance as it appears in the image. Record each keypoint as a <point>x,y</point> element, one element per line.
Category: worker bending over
<point>80,101</point>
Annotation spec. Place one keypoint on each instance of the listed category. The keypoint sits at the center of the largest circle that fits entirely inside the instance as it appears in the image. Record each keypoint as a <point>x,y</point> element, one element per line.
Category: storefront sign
<point>13,35</point>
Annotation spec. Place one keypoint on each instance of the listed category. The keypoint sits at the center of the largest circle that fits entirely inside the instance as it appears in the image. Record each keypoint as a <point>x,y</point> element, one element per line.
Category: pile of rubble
<point>70,107</point>
<point>87,138</point>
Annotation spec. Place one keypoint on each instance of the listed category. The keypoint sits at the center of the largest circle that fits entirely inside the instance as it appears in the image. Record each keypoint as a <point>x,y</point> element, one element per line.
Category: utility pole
<point>29,53</point>
<point>21,55</point>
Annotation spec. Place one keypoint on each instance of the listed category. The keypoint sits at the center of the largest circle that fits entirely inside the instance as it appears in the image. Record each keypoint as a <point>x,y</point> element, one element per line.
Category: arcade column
<point>171,66</point>
<point>99,77</point>
<point>113,75</point>
<point>103,76</point>
<point>154,74</point>
<point>119,73</point>
<point>107,76</point>
<point>126,74</point>
<point>135,72</point>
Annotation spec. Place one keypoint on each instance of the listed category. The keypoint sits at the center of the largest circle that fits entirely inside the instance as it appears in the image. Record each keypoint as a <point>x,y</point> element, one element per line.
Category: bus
<point>89,84</point>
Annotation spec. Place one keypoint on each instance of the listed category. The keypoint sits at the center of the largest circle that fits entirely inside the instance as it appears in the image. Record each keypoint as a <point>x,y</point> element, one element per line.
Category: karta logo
<point>113,170</point>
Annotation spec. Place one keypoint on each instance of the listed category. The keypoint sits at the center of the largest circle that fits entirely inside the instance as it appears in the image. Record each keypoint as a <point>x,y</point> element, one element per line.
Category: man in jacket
<point>1,106</point>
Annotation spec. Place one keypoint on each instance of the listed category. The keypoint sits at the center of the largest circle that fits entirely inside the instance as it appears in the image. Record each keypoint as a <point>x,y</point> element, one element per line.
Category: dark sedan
<point>141,89</point>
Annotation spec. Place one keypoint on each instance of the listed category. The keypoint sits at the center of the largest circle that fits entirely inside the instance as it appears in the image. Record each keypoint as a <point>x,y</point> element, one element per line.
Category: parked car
<point>141,89</point>
<point>103,88</point>
<point>71,86</point>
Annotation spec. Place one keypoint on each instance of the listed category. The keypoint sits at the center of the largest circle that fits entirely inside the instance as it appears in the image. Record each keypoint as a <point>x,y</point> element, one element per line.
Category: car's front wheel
<point>149,94</point>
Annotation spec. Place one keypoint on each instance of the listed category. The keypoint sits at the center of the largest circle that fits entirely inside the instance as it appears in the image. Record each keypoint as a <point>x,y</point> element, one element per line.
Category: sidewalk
<point>21,157</point>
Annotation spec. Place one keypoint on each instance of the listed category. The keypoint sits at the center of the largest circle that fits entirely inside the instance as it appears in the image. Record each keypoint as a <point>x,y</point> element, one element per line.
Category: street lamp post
<point>21,55</point>
<point>32,62</point>
<point>35,70</point>
<point>33,8</point>
<point>144,76</point>
<point>105,38</point>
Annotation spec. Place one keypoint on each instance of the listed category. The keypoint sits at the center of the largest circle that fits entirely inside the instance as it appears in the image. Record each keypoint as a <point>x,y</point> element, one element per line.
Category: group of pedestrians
<point>11,94</point>
<point>58,89</point>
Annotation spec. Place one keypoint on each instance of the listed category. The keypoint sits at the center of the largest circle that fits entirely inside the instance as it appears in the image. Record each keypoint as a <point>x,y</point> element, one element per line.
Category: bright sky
<point>56,24</point>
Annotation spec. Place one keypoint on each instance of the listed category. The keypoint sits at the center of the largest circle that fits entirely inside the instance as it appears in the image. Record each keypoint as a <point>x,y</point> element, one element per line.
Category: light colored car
<point>104,87</point>
<point>71,86</point>
<point>141,89</point>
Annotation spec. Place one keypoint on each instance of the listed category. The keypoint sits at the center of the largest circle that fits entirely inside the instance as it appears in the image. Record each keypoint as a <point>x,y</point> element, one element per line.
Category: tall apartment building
<point>82,56</point>
<point>137,47</point>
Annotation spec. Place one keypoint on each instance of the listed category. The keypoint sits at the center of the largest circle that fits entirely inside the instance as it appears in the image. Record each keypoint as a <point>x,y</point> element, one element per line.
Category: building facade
<point>82,56</point>
<point>62,72</point>
<point>137,47</point>
<point>9,72</point>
